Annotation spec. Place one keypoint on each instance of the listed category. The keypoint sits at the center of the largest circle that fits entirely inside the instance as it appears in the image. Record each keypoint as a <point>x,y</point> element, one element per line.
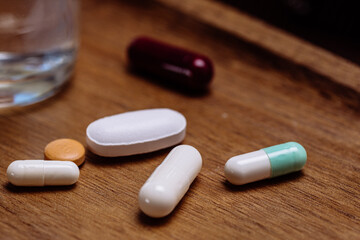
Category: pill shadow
<point>17,189</point>
<point>291,177</point>
<point>108,161</point>
<point>165,83</point>
<point>149,221</point>
<point>145,220</point>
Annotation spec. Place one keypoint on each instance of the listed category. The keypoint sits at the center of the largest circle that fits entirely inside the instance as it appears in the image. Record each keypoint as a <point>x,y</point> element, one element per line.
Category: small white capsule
<point>42,173</point>
<point>170,181</point>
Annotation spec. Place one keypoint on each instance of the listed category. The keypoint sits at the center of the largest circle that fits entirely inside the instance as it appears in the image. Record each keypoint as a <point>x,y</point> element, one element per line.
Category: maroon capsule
<point>174,65</point>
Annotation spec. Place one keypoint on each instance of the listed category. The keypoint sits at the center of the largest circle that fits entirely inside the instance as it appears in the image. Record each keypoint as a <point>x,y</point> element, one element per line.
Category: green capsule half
<point>286,158</point>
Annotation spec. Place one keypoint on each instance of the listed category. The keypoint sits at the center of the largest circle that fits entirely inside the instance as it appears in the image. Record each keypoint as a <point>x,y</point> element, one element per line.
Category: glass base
<point>27,79</point>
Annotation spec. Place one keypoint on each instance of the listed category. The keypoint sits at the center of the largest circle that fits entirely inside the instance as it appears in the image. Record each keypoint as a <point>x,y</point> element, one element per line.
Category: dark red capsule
<point>174,65</point>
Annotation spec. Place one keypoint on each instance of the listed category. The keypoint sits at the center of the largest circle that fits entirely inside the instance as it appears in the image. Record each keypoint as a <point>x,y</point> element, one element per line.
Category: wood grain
<point>271,38</point>
<point>257,99</point>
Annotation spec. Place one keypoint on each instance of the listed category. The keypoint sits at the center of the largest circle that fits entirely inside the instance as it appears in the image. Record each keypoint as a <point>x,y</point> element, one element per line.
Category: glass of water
<point>38,45</point>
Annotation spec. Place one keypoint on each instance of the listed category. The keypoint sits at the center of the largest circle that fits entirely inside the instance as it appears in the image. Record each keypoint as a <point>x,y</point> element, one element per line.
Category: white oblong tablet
<point>136,132</point>
<point>42,173</point>
<point>170,181</point>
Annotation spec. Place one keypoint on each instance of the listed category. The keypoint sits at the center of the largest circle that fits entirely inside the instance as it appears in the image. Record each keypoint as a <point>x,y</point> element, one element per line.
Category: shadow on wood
<point>108,161</point>
<point>18,189</point>
<point>291,177</point>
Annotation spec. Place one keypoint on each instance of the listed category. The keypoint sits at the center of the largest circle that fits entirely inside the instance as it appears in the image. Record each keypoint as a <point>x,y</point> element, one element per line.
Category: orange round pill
<point>65,149</point>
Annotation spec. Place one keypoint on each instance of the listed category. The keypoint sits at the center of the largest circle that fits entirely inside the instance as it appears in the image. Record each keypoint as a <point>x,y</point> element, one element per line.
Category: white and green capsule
<point>265,163</point>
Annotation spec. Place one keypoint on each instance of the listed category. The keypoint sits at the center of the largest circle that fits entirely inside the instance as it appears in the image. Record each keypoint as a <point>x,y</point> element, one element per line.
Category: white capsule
<point>42,173</point>
<point>135,132</point>
<point>170,181</point>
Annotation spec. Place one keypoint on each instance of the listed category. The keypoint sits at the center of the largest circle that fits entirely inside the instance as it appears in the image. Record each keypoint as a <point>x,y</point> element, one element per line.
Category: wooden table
<point>264,93</point>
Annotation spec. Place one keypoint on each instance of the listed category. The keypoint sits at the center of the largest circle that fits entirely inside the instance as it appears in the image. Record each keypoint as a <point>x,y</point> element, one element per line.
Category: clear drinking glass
<point>38,45</point>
